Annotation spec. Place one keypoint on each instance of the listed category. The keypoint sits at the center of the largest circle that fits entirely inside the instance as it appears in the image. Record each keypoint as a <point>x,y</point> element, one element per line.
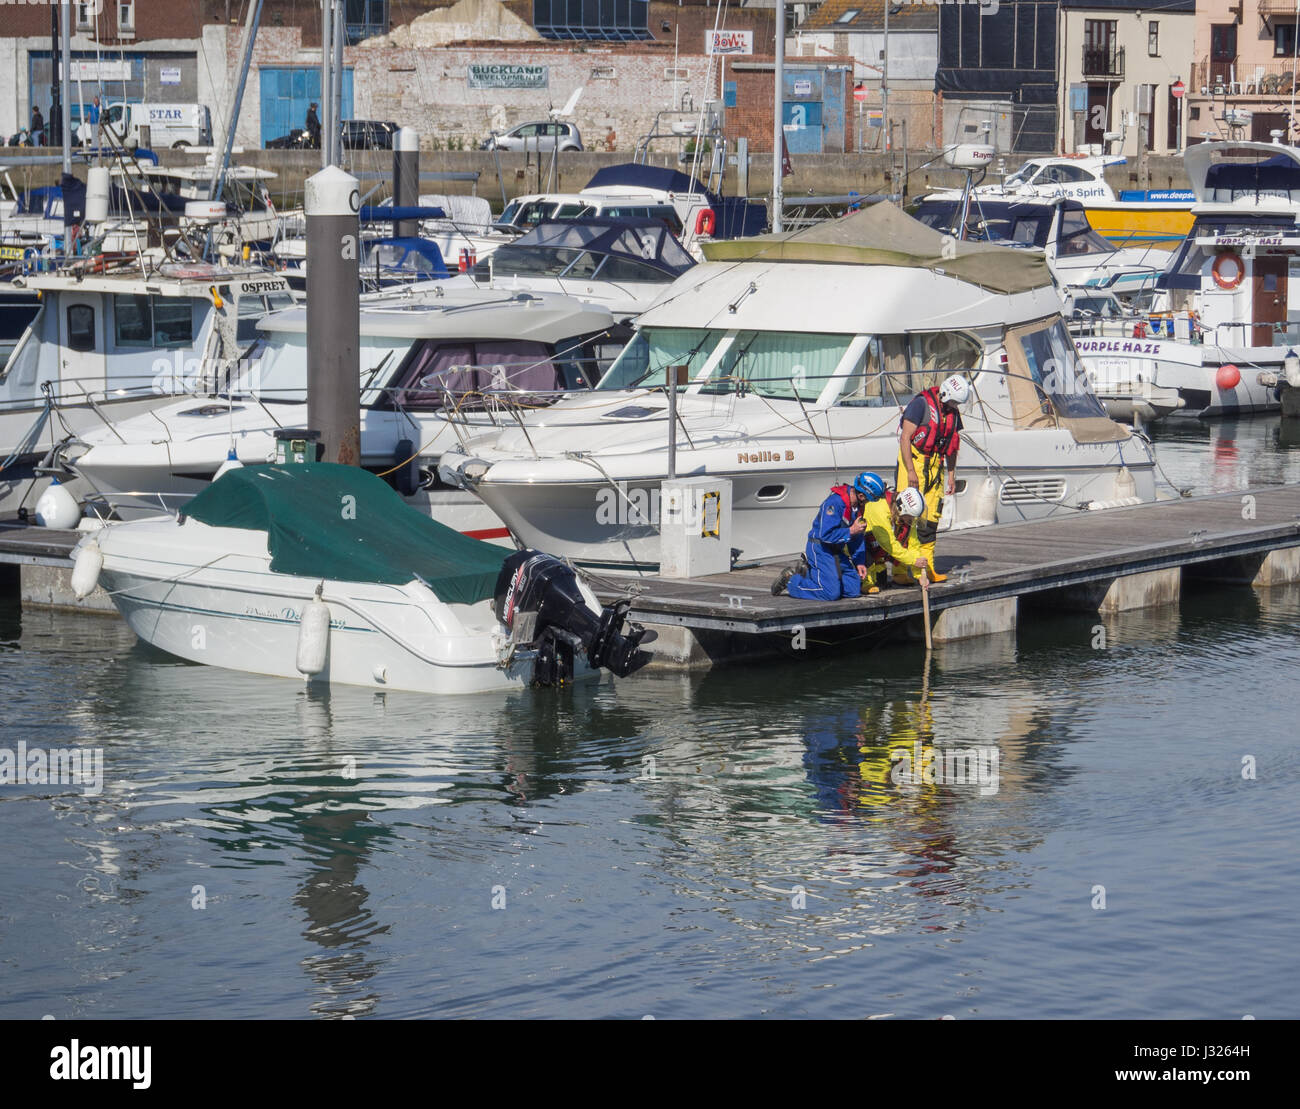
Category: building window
<point>364,19</point>
<point>849,16</point>
<point>85,17</point>
<point>1284,40</point>
<point>1223,42</point>
<point>126,15</point>
<point>1153,39</point>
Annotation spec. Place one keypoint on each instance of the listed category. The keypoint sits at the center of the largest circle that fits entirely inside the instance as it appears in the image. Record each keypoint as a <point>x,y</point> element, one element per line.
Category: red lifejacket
<point>842,491</point>
<point>938,433</point>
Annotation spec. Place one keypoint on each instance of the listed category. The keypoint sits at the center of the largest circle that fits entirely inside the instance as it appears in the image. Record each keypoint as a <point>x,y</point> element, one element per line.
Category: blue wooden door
<point>287,93</point>
<point>833,111</point>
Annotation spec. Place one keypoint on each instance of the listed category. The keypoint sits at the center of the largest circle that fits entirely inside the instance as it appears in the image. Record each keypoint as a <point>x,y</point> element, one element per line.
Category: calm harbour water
<point>722,845</point>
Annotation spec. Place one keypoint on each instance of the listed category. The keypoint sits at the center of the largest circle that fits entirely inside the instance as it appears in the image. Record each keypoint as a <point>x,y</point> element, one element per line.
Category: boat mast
<point>246,56</point>
<point>65,13</point>
<point>778,114</point>
<point>328,127</point>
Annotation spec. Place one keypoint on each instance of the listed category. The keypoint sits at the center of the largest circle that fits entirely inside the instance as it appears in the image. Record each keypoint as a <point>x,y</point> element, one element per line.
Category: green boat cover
<point>341,523</point>
<point>884,236</point>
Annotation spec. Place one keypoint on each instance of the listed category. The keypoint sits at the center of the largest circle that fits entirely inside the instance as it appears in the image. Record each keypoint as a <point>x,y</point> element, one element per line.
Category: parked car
<point>368,134</point>
<point>297,139</point>
<point>535,136</point>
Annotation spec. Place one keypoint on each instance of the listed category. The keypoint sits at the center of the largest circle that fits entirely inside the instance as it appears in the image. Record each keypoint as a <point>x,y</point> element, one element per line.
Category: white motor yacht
<point>481,354</point>
<point>792,357</point>
<point>114,338</point>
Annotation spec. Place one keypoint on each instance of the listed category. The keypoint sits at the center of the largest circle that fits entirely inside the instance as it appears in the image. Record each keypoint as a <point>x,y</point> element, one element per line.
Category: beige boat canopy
<point>883,235</point>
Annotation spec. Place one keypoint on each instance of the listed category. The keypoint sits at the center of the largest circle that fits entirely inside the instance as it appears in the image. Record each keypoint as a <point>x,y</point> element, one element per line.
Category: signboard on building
<point>101,71</point>
<point>802,88</point>
<point>169,75</point>
<point>509,76</point>
<point>728,42</point>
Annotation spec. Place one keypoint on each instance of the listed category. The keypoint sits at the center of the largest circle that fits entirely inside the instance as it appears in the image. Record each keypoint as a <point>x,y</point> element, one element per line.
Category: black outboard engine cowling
<point>533,582</point>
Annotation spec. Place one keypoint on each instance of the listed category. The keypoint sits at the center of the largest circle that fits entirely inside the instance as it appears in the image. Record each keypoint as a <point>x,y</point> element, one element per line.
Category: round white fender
<point>313,636</point>
<point>985,508</point>
<point>1125,486</point>
<point>85,570</point>
<point>57,508</point>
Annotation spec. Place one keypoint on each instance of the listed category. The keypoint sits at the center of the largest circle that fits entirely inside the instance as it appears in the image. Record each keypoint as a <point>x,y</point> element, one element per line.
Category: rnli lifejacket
<point>938,434</point>
<point>842,491</point>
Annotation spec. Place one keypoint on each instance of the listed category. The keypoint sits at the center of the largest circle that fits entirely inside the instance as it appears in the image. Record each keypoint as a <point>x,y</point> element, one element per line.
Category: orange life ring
<point>705,222</point>
<point>1228,257</point>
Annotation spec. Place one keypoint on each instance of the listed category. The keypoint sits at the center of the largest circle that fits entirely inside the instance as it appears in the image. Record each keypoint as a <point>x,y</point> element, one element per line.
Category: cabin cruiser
<point>479,353</point>
<point>262,574</point>
<point>115,338</point>
<point>791,359</point>
<point>623,264</point>
<point>633,190</point>
<point>1077,256</point>
<point>1134,217</point>
<point>1226,316</point>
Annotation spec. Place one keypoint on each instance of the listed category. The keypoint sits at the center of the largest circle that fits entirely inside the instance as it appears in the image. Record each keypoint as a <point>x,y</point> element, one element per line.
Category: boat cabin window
<point>1019,224</point>
<point>894,368</point>
<point>467,374</point>
<point>1024,174</point>
<point>1077,236</point>
<point>781,364</point>
<point>145,321</point>
<point>645,360</point>
<point>81,327</point>
<point>1064,175</point>
<point>1057,372</point>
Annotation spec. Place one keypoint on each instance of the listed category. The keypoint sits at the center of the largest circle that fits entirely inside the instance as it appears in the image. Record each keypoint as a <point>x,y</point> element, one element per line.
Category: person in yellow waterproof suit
<point>929,436</point>
<point>891,536</point>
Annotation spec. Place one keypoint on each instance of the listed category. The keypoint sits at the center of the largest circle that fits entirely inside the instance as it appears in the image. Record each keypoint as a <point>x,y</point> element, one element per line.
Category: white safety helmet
<point>910,502</point>
<point>955,390</point>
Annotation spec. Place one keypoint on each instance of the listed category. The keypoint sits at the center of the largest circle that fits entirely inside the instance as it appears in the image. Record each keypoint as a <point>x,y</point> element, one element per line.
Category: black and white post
<point>406,177</point>
<point>332,205</point>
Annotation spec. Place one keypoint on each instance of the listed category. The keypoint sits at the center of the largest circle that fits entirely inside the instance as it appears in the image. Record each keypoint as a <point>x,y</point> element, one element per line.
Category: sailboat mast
<point>65,14</point>
<point>336,86</point>
<point>778,119</point>
<point>328,126</point>
<point>246,56</point>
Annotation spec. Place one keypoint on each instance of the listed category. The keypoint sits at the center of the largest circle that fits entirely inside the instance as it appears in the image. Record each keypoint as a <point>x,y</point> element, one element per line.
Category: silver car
<point>535,136</point>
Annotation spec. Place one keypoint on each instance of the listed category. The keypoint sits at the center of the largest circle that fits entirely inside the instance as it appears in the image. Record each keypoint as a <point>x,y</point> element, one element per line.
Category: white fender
<point>57,508</point>
<point>1125,486</point>
<point>85,570</point>
<point>313,636</point>
<point>985,508</point>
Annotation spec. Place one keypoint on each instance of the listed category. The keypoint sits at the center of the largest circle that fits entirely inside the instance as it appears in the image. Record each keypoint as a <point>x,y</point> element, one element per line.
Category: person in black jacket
<point>38,127</point>
<point>313,127</point>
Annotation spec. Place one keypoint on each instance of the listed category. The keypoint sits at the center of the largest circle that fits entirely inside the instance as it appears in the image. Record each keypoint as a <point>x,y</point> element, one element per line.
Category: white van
<point>169,124</point>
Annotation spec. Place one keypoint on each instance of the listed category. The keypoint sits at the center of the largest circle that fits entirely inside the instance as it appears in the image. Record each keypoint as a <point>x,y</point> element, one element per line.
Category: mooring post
<point>406,177</point>
<point>332,203</point>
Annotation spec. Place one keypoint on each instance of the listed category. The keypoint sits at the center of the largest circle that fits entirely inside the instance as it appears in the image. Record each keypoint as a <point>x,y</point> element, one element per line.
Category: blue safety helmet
<point>869,485</point>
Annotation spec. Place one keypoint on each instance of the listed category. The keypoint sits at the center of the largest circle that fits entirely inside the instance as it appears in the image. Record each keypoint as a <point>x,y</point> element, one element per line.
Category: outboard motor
<point>539,589</point>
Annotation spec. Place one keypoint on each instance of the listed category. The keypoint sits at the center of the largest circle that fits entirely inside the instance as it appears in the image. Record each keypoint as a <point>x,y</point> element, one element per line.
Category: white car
<point>535,136</point>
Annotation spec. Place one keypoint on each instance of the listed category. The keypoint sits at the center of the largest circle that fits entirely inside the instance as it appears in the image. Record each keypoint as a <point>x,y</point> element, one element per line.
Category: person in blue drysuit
<point>835,558</point>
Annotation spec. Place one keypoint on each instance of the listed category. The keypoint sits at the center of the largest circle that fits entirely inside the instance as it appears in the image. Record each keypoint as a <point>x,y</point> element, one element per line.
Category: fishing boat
<point>319,571</point>
<point>1222,326</point>
<point>792,357</point>
<point>424,352</point>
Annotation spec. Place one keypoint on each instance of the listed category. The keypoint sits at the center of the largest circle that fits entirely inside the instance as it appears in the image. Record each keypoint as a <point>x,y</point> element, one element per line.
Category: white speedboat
<point>793,357</point>
<point>115,338</point>
<point>476,353</point>
<point>265,574</point>
<point>1226,316</point>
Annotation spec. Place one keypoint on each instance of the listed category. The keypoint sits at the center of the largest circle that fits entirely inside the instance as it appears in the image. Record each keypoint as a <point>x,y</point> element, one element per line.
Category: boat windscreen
<point>644,362</point>
<point>989,221</point>
<point>1076,235</point>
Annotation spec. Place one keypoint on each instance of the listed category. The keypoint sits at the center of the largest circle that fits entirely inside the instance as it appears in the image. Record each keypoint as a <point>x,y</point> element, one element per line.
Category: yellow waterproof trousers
<point>929,469</point>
